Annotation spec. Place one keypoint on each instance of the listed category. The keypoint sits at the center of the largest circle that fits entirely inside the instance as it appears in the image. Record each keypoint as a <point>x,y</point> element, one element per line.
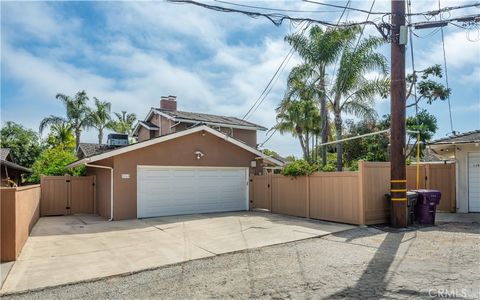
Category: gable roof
<point>464,138</point>
<point>90,149</point>
<point>207,119</point>
<point>4,153</point>
<point>14,166</point>
<point>172,136</point>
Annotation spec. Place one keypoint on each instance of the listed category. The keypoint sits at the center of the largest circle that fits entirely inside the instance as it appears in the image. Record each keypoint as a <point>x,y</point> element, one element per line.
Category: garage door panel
<point>165,191</point>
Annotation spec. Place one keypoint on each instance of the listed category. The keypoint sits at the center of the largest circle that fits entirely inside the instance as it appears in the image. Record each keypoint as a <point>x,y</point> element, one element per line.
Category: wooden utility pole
<point>398,184</point>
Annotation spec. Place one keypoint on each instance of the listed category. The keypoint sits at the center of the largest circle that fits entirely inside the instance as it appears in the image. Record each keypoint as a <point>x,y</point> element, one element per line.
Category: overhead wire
<point>275,9</point>
<point>446,77</point>
<point>275,130</point>
<point>273,80</point>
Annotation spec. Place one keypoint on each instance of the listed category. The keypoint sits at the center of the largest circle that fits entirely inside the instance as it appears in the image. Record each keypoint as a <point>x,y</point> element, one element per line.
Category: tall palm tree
<point>319,50</point>
<point>100,117</point>
<point>77,114</point>
<point>61,134</point>
<point>298,113</point>
<point>352,92</point>
<point>124,122</point>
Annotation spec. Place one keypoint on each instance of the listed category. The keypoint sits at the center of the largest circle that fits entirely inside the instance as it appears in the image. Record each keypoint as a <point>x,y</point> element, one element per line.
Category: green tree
<point>352,92</point>
<point>427,88</point>
<point>25,144</point>
<point>61,135</point>
<point>318,50</point>
<point>77,114</point>
<point>297,113</point>
<point>123,123</point>
<point>53,162</point>
<point>100,117</point>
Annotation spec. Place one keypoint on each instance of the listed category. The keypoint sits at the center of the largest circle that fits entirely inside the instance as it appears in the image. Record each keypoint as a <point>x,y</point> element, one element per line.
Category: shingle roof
<point>90,149</point>
<point>149,124</point>
<point>15,166</point>
<point>4,153</point>
<point>201,117</point>
<point>464,138</point>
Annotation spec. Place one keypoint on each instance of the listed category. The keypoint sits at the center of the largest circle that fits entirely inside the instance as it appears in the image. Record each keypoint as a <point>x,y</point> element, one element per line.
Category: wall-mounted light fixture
<point>199,154</point>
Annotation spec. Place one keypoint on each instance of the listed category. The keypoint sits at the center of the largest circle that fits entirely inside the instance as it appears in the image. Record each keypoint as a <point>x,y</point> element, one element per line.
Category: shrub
<point>53,162</point>
<point>298,168</point>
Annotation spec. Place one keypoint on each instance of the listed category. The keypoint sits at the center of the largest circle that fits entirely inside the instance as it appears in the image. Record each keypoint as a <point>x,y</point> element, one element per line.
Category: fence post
<point>427,176</point>
<point>361,194</point>
<point>308,196</point>
<point>269,189</point>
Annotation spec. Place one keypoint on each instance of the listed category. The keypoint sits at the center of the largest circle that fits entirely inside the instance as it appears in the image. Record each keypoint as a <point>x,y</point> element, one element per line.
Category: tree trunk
<point>77,138</point>
<point>323,119</point>
<point>100,136</point>
<point>302,144</point>
<point>338,133</point>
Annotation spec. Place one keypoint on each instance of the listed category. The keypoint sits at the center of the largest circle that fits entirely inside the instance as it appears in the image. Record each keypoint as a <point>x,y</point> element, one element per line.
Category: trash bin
<point>410,208</point>
<point>427,206</point>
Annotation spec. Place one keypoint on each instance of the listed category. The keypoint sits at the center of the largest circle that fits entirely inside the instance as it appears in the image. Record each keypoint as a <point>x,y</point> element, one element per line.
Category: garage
<point>166,191</point>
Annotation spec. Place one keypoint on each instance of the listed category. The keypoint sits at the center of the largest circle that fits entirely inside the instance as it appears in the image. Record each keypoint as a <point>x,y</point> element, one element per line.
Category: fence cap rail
<point>21,188</point>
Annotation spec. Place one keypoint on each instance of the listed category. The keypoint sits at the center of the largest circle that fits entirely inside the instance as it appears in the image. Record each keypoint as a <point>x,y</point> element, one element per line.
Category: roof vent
<point>117,140</point>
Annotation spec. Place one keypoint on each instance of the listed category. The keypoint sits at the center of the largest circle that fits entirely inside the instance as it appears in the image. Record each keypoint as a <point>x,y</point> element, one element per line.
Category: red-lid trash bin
<point>426,206</point>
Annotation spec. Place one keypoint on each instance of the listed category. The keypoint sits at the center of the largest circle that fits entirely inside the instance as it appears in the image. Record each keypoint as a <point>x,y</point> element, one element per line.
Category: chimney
<point>168,103</point>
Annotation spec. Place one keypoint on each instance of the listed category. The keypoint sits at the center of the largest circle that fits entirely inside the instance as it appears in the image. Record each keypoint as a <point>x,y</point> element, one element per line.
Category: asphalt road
<point>360,263</point>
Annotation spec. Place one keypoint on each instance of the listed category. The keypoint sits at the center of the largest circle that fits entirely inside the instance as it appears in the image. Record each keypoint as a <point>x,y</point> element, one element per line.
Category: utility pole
<point>398,182</point>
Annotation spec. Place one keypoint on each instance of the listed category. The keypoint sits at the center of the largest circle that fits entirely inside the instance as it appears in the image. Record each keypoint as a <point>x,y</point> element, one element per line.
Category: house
<point>464,149</point>
<point>167,119</point>
<point>11,173</point>
<point>181,165</point>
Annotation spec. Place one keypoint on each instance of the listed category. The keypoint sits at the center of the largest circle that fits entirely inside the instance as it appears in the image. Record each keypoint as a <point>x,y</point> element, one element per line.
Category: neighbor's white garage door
<point>166,191</point>
<point>474,182</point>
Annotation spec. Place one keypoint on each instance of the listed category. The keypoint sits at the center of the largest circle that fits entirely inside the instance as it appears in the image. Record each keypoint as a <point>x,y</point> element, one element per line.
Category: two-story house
<point>166,119</point>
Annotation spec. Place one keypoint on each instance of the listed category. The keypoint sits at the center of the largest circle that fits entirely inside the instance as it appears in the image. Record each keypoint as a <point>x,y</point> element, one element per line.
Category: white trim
<point>171,137</point>
<point>144,125</point>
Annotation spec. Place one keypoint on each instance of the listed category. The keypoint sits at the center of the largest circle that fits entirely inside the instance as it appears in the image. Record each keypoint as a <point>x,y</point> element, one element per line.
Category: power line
<point>446,78</point>
<point>275,9</point>
<point>349,8</point>
<point>275,18</point>
<point>273,80</point>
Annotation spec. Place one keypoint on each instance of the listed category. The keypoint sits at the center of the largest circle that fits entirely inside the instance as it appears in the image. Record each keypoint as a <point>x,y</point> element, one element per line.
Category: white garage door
<point>166,191</point>
<point>474,182</point>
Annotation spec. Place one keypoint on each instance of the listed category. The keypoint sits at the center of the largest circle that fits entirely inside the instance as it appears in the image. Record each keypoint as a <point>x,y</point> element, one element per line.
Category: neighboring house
<point>167,119</point>
<point>464,149</point>
<point>11,173</point>
<point>89,149</point>
<point>182,167</point>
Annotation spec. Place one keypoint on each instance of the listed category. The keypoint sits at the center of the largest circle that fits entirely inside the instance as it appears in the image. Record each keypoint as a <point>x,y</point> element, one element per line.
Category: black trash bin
<point>410,208</point>
<point>427,206</point>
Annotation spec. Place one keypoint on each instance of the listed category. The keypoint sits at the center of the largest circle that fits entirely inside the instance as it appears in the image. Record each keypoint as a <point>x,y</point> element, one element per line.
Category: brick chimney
<point>168,103</point>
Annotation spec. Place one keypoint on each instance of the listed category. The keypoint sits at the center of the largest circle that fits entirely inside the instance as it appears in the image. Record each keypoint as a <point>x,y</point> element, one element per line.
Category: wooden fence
<point>20,210</point>
<point>65,195</point>
<point>347,197</point>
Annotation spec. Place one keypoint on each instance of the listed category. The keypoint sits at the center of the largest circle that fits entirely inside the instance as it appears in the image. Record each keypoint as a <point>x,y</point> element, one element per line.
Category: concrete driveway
<point>69,249</point>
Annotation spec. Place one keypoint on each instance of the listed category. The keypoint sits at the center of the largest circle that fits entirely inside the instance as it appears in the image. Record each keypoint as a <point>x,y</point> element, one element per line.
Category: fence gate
<point>66,195</point>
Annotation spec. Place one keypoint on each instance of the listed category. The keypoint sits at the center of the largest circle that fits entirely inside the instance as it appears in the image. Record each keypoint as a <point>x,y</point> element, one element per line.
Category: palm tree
<point>124,123</point>
<point>100,117</point>
<point>352,92</point>
<point>297,113</point>
<point>61,134</point>
<point>319,50</point>
<point>77,114</point>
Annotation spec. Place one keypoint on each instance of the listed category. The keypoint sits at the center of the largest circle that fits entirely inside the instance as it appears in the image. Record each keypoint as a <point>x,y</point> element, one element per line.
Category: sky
<point>132,53</point>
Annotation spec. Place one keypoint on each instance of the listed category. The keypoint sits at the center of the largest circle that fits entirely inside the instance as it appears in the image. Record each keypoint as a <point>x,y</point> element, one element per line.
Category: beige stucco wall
<point>459,154</point>
<point>102,184</point>
<point>177,152</point>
